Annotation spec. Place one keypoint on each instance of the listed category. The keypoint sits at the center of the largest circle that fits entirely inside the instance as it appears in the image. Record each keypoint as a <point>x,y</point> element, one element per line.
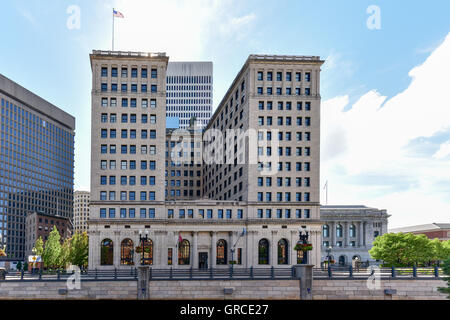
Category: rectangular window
<point>260,75</point>
<point>154,73</point>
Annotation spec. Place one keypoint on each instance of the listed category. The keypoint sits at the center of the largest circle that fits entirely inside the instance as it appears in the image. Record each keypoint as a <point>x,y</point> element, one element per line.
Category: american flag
<point>117,14</point>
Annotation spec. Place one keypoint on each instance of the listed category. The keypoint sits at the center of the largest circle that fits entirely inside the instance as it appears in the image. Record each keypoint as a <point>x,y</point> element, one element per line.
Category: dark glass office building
<point>36,162</point>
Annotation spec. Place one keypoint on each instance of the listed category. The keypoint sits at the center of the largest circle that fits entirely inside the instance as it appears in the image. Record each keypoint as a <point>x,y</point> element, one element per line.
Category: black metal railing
<point>235,273</point>
<point>348,272</point>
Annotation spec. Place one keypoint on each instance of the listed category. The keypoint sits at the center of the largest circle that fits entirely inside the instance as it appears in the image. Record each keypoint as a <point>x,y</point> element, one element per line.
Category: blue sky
<point>364,67</point>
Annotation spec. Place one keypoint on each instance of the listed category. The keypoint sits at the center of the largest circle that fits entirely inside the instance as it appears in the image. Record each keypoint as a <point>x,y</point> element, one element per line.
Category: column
<point>195,250</point>
<point>333,234</point>
<point>365,231</point>
<point>116,250</point>
<point>175,252</point>
<point>232,237</point>
<point>273,247</point>
<point>213,249</point>
<point>346,234</point>
<point>360,233</point>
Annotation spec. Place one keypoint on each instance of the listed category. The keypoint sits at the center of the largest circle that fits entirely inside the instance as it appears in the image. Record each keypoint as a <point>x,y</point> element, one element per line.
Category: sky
<point>385,126</point>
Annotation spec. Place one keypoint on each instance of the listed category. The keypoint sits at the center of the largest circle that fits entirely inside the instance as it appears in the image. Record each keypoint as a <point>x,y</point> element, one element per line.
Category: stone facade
<point>214,289</point>
<point>350,231</point>
<point>80,211</point>
<point>254,199</point>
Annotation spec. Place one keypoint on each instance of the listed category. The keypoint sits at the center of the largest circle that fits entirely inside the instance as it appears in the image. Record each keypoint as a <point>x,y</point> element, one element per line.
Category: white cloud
<point>443,151</point>
<point>370,140</point>
<point>183,29</point>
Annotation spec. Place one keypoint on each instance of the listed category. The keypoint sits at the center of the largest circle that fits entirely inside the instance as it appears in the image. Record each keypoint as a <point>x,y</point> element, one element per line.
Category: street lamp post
<point>328,253</point>
<point>303,238</point>
<point>143,240</point>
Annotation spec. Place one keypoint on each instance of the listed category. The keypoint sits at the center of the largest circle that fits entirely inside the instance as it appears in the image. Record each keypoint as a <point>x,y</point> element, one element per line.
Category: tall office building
<point>36,162</point>
<point>80,211</point>
<point>189,92</point>
<point>258,174</point>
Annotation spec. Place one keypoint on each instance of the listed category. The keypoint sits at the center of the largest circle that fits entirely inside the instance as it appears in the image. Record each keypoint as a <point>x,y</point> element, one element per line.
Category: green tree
<point>25,266</point>
<point>64,254</point>
<point>19,265</point>
<point>79,249</point>
<point>446,269</point>
<point>441,250</point>
<point>52,249</point>
<point>402,249</point>
<point>39,246</point>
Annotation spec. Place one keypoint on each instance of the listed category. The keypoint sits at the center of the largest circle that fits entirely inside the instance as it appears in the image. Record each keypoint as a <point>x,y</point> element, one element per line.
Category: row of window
<point>279,91</point>
<point>284,121</point>
<point>124,87</point>
<point>287,182</point>
<point>124,164</point>
<point>186,193</point>
<point>286,165</point>
<point>205,213</point>
<point>124,180</point>
<point>287,151</point>
<point>287,196</point>
<point>124,118</point>
<point>127,196</point>
<point>124,72</point>
<point>132,101</point>
<point>282,106</point>
<point>287,213</point>
<point>124,150</point>
<point>130,213</point>
<point>150,134</point>
<point>287,136</point>
<point>279,76</point>
<point>222,248</point>
<point>144,180</point>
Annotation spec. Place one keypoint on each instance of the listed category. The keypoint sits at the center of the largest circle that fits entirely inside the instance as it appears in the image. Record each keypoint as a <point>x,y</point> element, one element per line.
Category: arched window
<point>184,253</point>
<point>147,251</point>
<point>339,230</point>
<point>221,257</point>
<point>352,231</point>
<point>107,253</point>
<point>342,260</point>
<point>126,252</point>
<point>283,252</point>
<point>325,231</point>
<point>263,251</point>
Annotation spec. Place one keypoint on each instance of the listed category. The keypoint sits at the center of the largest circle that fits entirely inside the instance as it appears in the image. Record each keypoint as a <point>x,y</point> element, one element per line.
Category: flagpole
<point>113,30</point>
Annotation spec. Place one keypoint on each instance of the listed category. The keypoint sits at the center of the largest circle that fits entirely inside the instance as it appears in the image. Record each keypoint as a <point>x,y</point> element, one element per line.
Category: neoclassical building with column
<point>255,169</point>
<point>348,232</point>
